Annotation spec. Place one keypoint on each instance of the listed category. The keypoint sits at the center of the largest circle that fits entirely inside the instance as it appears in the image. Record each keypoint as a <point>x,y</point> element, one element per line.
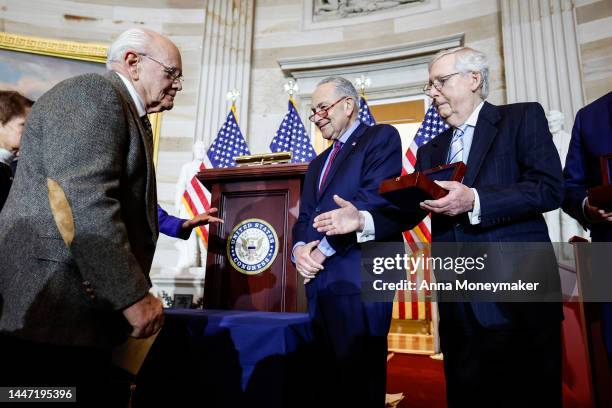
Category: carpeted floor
<point>419,377</point>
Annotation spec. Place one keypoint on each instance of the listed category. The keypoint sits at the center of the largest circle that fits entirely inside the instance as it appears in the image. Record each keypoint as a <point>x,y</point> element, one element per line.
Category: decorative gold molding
<point>54,48</point>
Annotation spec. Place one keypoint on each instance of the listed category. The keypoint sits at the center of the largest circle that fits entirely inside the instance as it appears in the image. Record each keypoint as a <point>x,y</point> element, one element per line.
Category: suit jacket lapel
<point>317,168</point>
<point>484,135</point>
<point>440,146</point>
<point>342,154</point>
<point>151,189</point>
<point>609,97</point>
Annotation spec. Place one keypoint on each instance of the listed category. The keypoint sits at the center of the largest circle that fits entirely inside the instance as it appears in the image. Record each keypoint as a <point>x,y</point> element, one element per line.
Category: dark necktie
<point>152,184</point>
<point>149,133</point>
<point>332,156</point>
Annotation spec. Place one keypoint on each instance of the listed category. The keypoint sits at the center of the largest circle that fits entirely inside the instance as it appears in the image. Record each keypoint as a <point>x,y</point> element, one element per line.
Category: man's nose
<point>320,122</point>
<point>433,92</point>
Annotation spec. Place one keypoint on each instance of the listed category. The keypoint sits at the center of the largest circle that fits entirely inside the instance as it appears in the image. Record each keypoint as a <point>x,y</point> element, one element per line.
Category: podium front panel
<point>259,211</point>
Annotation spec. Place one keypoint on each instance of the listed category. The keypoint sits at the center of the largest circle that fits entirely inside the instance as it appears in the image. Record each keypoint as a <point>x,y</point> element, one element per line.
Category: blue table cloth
<point>228,358</point>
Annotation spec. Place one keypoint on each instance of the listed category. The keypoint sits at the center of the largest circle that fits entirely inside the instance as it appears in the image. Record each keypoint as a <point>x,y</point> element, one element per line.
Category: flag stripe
<point>198,189</point>
<point>433,125</point>
<point>190,206</point>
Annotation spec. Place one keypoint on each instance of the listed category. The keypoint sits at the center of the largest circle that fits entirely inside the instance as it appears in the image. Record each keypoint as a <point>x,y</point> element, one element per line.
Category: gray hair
<point>343,86</point>
<point>135,39</point>
<point>469,60</point>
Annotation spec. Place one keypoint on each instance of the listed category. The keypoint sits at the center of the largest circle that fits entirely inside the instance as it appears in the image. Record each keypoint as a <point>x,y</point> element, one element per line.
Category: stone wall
<point>280,32</point>
<point>594,26</point>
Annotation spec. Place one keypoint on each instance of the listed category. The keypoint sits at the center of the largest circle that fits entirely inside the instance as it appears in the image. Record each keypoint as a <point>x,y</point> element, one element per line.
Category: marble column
<point>541,56</point>
<point>226,64</point>
<point>542,64</point>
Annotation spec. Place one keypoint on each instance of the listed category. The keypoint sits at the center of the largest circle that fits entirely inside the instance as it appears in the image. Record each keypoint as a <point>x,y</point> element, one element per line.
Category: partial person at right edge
<point>591,138</point>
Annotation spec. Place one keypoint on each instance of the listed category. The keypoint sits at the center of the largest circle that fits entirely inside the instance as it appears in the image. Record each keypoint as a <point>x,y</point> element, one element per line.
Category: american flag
<point>365,116</point>
<point>196,199</point>
<point>228,144</point>
<point>291,136</point>
<point>416,304</point>
<point>431,127</point>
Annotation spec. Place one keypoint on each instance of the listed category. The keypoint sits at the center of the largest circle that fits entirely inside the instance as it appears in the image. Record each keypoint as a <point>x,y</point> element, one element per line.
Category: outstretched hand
<point>341,220</point>
<point>201,219</point>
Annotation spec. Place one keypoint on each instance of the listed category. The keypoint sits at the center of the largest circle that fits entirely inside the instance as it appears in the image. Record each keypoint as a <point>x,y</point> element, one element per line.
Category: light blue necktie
<point>455,154</point>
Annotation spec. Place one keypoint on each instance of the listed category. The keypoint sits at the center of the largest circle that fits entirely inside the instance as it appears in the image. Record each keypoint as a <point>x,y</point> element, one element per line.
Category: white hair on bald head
<point>469,60</point>
<point>343,87</point>
<point>135,39</point>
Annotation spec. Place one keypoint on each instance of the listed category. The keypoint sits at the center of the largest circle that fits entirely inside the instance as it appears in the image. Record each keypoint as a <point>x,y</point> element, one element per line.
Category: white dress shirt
<point>140,107</point>
<point>6,156</point>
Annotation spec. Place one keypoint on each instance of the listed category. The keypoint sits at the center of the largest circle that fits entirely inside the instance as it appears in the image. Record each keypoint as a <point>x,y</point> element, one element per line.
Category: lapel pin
<point>354,143</point>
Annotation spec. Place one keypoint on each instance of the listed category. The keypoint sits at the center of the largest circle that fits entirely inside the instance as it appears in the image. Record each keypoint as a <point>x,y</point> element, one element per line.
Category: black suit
<point>590,139</point>
<point>497,352</point>
<point>6,180</point>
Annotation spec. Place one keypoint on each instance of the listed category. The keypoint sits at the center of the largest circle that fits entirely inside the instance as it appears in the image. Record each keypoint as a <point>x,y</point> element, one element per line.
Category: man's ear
<point>131,61</point>
<point>350,102</point>
<point>477,80</point>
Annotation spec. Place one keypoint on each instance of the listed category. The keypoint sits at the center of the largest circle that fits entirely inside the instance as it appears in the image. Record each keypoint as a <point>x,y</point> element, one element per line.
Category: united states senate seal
<point>252,246</point>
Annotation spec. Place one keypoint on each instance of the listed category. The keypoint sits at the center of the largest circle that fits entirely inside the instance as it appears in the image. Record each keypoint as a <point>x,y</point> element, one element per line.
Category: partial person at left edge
<point>14,109</point>
<point>79,228</point>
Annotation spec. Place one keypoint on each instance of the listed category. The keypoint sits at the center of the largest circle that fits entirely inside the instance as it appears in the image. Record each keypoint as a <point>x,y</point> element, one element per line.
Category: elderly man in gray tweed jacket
<point>79,229</point>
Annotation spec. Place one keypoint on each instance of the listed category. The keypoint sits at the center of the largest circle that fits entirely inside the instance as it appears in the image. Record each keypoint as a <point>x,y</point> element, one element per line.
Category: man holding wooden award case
<point>410,190</point>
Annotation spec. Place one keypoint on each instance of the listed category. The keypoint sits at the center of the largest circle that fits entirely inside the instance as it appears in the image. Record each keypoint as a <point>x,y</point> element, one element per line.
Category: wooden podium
<point>260,205</point>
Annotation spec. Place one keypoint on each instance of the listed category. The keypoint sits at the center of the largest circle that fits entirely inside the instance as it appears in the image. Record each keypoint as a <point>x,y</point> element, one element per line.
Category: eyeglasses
<point>438,83</point>
<point>323,113</point>
<point>171,71</point>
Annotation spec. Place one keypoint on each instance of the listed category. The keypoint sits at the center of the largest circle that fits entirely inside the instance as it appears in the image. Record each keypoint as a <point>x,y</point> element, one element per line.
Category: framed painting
<point>33,65</point>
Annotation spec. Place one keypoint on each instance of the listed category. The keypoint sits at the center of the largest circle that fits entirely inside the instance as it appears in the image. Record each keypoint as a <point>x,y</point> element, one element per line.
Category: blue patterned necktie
<point>455,154</point>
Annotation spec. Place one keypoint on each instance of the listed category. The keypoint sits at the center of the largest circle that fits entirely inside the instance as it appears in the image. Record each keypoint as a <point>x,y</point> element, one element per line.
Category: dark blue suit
<point>591,138</point>
<point>170,225</point>
<point>351,333</point>
<point>497,350</point>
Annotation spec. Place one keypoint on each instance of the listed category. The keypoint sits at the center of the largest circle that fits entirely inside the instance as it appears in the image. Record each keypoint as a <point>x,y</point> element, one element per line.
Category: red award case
<point>601,196</point>
<point>410,190</point>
